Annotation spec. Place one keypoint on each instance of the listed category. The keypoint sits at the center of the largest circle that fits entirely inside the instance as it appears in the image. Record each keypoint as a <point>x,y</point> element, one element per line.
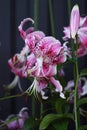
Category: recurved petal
<point>20,28</point>
<point>58,86</point>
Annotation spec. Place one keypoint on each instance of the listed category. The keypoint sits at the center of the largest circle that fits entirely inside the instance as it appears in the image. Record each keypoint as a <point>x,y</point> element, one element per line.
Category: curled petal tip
<point>62,95</point>
<point>20,27</point>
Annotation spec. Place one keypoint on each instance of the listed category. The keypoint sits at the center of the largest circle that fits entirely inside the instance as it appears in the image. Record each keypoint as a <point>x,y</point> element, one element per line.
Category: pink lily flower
<point>83,21</point>
<point>41,79</point>
<point>82,88</point>
<point>38,86</point>
<point>51,50</point>
<point>40,83</point>
<point>38,59</point>
<point>74,21</point>
<point>41,63</point>
<point>80,30</point>
<point>33,38</point>
<point>82,51</point>
<point>18,63</point>
<point>30,36</point>
<point>47,52</point>
<point>82,33</point>
<point>18,123</point>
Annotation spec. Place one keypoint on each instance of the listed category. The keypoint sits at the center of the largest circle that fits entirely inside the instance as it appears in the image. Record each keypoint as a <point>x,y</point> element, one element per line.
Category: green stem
<point>69,7</point>
<point>9,97</point>
<point>72,46</point>
<point>35,27</point>
<point>76,95</point>
<point>33,106</point>
<point>36,14</point>
<point>76,87</point>
<point>41,109</point>
<point>51,18</point>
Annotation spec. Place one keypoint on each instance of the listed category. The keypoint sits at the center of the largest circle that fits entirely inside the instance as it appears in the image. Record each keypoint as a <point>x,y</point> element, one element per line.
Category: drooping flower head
<point>39,59</point>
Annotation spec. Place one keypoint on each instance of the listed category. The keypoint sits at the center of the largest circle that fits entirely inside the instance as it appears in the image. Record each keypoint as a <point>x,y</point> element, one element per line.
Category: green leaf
<point>69,116</point>
<point>51,127</point>
<point>58,105</point>
<point>83,127</point>
<point>83,112</point>
<point>30,123</point>
<point>61,124</point>
<point>47,120</point>
<point>83,72</point>
<point>82,101</point>
<point>62,106</point>
<point>66,107</point>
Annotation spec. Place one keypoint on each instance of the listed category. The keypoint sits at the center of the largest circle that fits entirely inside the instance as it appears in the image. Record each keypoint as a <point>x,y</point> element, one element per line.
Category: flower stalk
<point>76,74</point>
<point>35,27</point>
<point>41,110</point>
<point>51,18</point>
<point>69,7</point>
<point>10,97</point>
<point>36,14</point>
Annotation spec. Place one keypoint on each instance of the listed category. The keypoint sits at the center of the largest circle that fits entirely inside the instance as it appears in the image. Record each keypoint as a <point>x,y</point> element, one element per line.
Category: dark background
<point>12,12</point>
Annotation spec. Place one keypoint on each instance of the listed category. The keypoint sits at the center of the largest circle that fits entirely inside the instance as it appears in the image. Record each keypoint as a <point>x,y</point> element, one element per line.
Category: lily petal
<point>20,28</point>
<point>74,21</point>
<point>84,88</point>
<point>58,86</point>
